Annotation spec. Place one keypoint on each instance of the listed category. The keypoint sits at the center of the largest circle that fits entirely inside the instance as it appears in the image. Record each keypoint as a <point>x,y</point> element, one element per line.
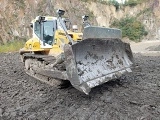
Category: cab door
<point>45,32</point>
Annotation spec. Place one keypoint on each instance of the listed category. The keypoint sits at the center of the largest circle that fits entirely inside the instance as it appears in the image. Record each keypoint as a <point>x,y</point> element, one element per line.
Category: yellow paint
<point>32,44</point>
<point>60,39</point>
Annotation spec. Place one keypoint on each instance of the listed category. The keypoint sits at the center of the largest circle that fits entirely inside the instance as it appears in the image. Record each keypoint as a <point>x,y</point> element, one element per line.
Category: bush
<point>132,3</point>
<point>115,3</point>
<point>109,2</point>
<point>131,28</point>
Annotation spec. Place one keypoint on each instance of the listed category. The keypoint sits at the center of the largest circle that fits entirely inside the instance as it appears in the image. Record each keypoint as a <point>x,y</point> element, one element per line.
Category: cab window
<point>37,29</point>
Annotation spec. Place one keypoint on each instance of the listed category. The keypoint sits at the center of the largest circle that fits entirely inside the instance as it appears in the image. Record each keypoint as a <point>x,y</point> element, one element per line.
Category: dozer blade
<point>95,61</point>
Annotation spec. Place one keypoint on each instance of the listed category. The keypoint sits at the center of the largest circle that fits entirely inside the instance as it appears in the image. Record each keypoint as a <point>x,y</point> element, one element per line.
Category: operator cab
<point>44,29</point>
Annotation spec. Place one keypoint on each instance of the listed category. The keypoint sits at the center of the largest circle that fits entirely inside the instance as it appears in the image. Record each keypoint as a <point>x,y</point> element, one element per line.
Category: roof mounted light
<point>60,12</point>
<point>85,17</point>
<point>40,18</point>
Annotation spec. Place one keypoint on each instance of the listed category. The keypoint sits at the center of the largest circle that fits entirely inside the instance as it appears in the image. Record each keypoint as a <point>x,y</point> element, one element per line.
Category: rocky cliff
<point>16,15</point>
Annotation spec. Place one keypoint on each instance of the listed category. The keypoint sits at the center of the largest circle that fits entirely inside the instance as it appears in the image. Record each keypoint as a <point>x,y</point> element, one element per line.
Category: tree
<point>131,28</point>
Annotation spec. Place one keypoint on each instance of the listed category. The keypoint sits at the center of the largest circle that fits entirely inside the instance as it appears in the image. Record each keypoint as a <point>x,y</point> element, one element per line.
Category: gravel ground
<point>135,96</point>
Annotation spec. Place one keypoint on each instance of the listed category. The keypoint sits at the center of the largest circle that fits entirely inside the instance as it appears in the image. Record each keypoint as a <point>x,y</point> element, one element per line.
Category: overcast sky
<point>120,1</point>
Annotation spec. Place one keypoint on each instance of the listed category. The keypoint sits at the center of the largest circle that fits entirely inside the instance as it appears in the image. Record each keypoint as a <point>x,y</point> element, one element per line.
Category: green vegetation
<point>146,11</point>
<point>131,28</point>
<point>114,3</point>
<point>117,5</point>
<point>132,3</point>
<point>106,2</point>
<point>12,46</point>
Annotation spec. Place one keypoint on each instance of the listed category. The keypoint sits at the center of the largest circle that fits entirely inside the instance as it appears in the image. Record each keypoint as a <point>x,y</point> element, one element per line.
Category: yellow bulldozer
<point>59,56</point>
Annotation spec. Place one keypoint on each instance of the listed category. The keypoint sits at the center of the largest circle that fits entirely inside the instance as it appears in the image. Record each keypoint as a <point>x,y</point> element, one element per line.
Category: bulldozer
<point>59,56</point>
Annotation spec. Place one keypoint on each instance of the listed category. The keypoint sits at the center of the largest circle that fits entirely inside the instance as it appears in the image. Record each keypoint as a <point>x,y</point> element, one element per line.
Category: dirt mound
<point>134,96</point>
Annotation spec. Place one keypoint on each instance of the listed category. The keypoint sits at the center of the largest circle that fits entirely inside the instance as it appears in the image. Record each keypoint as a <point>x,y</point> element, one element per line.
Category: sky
<point>120,1</point>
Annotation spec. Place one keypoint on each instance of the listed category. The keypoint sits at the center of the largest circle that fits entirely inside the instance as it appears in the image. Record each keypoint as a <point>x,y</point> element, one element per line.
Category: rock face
<point>147,12</point>
<point>16,15</point>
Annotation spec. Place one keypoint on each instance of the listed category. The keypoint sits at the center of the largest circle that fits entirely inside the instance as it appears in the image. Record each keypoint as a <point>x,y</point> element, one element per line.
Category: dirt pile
<point>134,96</point>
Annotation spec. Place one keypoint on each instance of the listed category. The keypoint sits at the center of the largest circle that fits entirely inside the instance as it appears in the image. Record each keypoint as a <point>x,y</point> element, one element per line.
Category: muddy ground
<point>135,96</point>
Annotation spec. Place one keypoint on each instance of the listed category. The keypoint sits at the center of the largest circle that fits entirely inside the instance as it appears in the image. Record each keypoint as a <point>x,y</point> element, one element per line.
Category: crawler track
<point>43,68</point>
